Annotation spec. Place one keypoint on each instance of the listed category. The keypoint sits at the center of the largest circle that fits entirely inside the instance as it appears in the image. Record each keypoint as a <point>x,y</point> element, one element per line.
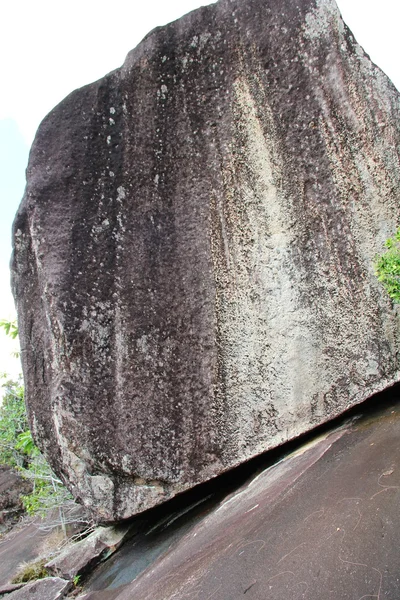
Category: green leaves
<point>48,491</point>
<point>17,449</point>
<point>13,422</point>
<point>26,444</point>
<point>387,267</point>
<point>10,327</point>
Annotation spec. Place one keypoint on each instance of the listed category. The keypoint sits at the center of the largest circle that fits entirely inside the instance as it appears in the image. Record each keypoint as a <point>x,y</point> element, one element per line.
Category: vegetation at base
<point>31,572</point>
<point>13,423</point>
<point>387,267</point>
<point>18,450</point>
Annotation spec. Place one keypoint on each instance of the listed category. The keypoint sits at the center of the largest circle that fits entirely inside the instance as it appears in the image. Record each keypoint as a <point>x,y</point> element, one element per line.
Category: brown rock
<point>32,540</point>
<point>7,588</point>
<point>12,487</point>
<point>193,263</point>
<point>50,588</point>
<point>83,555</point>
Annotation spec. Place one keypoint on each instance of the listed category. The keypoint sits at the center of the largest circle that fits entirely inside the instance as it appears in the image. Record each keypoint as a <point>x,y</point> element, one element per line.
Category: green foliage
<point>10,327</point>
<point>13,419</point>
<point>13,423</point>
<point>26,444</point>
<point>31,572</point>
<point>387,267</point>
<point>48,491</point>
<point>17,449</point>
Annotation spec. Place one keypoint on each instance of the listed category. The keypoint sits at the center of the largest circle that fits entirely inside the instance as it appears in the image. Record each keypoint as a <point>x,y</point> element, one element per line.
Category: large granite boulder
<point>193,264</point>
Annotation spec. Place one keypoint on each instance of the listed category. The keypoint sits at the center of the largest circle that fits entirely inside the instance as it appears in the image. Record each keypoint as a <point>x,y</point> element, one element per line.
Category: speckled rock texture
<point>77,557</point>
<point>51,588</point>
<point>193,264</point>
<point>12,487</point>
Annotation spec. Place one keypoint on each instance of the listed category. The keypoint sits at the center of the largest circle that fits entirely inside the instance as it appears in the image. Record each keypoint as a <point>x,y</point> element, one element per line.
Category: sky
<point>48,49</point>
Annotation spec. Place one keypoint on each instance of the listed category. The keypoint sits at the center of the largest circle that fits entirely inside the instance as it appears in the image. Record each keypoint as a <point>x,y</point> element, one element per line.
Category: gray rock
<point>193,264</point>
<point>85,554</point>
<point>107,595</point>
<point>12,487</point>
<point>7,588</point>
<point>50,588</point>
<point>34,539</point>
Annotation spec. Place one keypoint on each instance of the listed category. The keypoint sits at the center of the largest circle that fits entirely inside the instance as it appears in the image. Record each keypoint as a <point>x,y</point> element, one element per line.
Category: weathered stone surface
<point>33,540</point>
<point>51,588</point>
<point>7,588</point>
<point>193,263</point>
<point>22,545</point>
<point>320,523</point>
<point>83,555</point>
<point>12,487</point>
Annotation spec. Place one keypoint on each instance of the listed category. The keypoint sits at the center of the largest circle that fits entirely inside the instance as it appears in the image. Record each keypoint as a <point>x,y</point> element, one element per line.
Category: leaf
<point>10,328</point>
<point>387,267</point>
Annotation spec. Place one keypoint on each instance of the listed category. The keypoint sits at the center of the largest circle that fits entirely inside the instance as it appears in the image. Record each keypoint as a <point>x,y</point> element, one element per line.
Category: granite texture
<point>193,255</point>
<point>50,588</point>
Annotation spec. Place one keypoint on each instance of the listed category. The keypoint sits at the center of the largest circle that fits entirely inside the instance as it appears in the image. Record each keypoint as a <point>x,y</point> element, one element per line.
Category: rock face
<point>51,588</point>
<point>193,263</point>
<point>94,548</point>
<point>12,487</point>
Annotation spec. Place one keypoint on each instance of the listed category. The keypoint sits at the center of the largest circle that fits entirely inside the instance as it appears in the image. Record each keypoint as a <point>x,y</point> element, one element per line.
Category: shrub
<point>387,267</point>
<point>13,423</point>
<point>31,572</point>
<point>10,328</point>
<point>48,491</point>
<point>17,449</point>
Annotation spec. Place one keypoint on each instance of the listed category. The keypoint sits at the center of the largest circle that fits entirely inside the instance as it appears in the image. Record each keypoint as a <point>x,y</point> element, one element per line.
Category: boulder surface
<point>193,255</point>
<point>50,588</point>
<point>12,487</point>
<point>84,554</point>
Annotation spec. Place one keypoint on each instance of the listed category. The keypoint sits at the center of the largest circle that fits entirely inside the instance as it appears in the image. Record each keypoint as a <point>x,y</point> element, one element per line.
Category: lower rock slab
<point>50,588</point>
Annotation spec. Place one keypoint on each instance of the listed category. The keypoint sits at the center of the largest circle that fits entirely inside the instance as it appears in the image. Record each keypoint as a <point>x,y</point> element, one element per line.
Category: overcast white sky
<point>48,49</point>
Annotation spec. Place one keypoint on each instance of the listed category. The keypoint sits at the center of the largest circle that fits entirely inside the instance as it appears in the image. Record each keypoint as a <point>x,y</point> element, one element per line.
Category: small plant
<point>17,449</point>
<point>13,423</point>
<point>387,267</point>
<point>31,572</point>
<point>26,444</point>
<point>48,491</point>
<point>10,328</point>
<point>76,580</point>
